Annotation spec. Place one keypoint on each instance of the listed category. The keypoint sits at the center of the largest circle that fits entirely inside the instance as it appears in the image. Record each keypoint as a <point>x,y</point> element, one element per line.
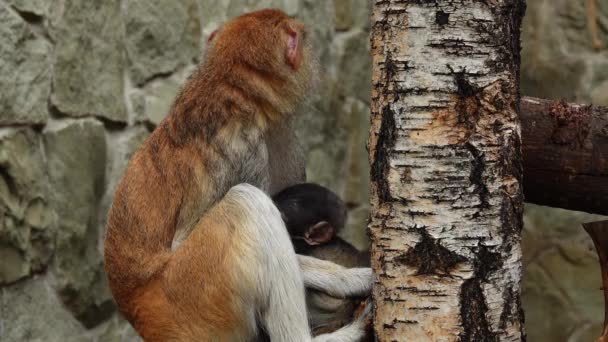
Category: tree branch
<point>565,148</point>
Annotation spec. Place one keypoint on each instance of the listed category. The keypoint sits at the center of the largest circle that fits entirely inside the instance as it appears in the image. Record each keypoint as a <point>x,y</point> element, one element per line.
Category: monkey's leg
<point>237,267</point>
<point>241,253</point>
<point>335,280</point>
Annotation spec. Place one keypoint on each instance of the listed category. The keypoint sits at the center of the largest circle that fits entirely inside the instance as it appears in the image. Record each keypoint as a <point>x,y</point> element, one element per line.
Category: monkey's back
<point>163,189</point>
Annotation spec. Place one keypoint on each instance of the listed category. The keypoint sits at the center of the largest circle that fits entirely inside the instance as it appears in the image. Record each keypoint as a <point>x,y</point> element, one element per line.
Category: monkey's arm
<point>334,279</point>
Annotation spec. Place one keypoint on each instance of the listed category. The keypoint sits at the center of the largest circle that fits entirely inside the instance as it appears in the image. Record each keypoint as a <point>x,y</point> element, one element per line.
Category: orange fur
<point>208,143</point>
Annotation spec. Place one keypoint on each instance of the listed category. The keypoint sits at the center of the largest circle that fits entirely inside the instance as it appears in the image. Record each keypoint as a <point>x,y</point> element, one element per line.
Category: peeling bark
<point>445,155</point>
<point>565,150</point>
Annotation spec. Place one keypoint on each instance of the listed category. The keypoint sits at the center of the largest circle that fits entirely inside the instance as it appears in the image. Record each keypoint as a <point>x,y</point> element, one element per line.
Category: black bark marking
<point>504,33</point>
<point>381,165</point>
<point>389,326</point>
<point>442,18</point>
<point>512,220</point>
<point>430,257</point>
<point>393,324</point>
<point>473,306</point>
<point>511,210</point>
<point>469,104</point>
<point>422,292</point>
<point>513,311</point>
<point>497,126</point>
<point>468,107</point>
<point>465,88</point>
<point>478,165</point>
<point>424,308</point>
<point>514,18</point>
<point>386,136</point>
<point>390,69</point>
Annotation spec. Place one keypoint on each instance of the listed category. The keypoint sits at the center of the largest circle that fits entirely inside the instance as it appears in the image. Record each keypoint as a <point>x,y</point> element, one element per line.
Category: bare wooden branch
<point>565,148</point>
<point>446,169</point>
<point>599,234</point>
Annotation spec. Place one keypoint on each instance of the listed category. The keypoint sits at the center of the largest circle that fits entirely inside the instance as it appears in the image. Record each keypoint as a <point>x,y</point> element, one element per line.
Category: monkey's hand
<point>363,317</point>
<point>364,313</point>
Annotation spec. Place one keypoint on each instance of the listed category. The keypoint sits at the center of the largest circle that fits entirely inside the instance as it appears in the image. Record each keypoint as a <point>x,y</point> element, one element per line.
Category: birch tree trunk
<point>445,154</point>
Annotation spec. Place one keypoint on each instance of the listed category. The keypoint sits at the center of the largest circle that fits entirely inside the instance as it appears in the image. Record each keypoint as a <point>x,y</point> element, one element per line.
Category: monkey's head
<point>313,214</point>
<point>269,54</point>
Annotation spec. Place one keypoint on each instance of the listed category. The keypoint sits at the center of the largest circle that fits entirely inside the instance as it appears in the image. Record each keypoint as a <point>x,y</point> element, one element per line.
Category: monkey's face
<point>312,213</point>
<point>267,45</point>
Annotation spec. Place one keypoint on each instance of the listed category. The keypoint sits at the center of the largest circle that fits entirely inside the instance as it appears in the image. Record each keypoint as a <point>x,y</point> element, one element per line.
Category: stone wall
<point>83,82</point>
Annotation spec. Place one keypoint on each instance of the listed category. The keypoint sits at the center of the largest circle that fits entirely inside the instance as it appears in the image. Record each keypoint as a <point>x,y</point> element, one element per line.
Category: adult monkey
<point>193,253</point>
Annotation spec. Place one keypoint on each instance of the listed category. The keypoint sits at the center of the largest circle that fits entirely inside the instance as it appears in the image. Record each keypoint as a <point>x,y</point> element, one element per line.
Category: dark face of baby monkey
<point>313,215</point>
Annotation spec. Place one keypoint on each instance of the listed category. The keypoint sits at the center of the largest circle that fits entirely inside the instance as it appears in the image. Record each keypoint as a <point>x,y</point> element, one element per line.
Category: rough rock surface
<point>31,8</point>
<point>558,58</point>
<point>160,36</point>
<point>27,226</point>
<point>25,70</point>
<point>88,66</point>
<point>31,311</point>
<point>76,157</point>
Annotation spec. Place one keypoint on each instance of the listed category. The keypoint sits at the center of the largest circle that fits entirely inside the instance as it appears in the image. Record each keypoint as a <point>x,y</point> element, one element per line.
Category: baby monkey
<point>313,216</point>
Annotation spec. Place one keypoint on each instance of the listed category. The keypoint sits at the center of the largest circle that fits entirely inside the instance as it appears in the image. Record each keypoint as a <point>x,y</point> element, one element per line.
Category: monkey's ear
<point>320,233</point>
<point>293,53</point>
<point>211,36</point>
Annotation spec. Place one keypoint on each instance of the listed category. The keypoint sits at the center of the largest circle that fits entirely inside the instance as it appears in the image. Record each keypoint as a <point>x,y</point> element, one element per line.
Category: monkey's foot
<point>364,314</point>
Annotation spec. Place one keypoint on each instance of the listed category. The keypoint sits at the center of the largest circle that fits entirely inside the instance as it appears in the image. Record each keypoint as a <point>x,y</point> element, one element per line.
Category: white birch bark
<point>446,175</point>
